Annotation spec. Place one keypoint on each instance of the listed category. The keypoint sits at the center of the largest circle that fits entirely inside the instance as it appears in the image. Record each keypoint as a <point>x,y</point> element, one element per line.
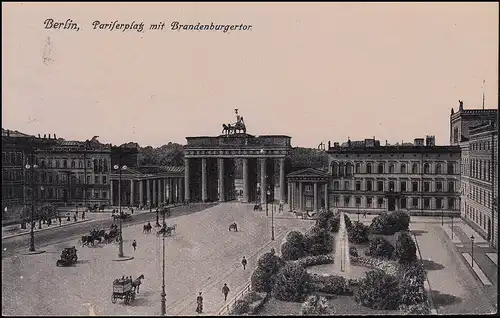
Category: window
<point>104,195</point>
<point>89,164</point>
<point>427,168</point>
<point>380,185</point>
<point>80,164</point>
<point>414,186</point>
<point>96,166</point>
<point>438,168</point>
<point>427,186</point>
<point>349,169</point>
<point>391,168</point>
<point>403,203</point>
<point>358,185</point>
<point>439,186</point>
<point>439,203</point>
<point>336,201</point>
<point>307,187</point>
<point>391,186</point>
<point>427,203</point>
<point>73,164</point>
<point>105,166</point>
<point>368,168</point>
<point>358,201</point>
<point>64,163</point>
<point>346,201</point>
<point>358,168</point>
<point>380,168</point>
<point>369,202</point>
<point>403,168</point>
<point>97,182</point>
<point>335,169</point>
<point>57,163</point>
<point>96,195</point>
<point>414,168</point>
<point>451,186</point>
<point>346,185</point>
<point>403,186</point>
<point>380,202</point>
<point>451,204</point>
<point>450,168</point>
<point>336,185</point>
<point>369,185</point>
<point>88,179</point>
<point>104,181</point>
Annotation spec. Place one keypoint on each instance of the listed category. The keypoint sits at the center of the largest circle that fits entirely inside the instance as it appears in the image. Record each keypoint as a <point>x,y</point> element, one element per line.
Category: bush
<point>418,309</point>
<point>379,224</point>
<point>293,248</point>
<point>353,251</point>
<point>252,297</point>
<point>400,220</point>
<point>358,233</point>
<point>318,242</point>
<point>315,305</point>
<point>406,250</point>
<point>389,224</point>
<point>413,270</point>
<point>332,284</point>
<point>378,291</point>
<point>324,219</point>
<point>292,283</point>
<point>411,283</point>
<point>380,247</point>
<point>315,260</point>
<point>347,220</point>
<point>264,275</point>
<point>242,306</point>
<point>335,224</point>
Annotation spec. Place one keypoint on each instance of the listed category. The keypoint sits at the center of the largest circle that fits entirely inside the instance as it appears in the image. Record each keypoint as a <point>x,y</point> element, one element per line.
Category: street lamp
<point>451,226</point>
<point>32,232</point>
<point>442,214</point>
<point>472,253</point>
<point>120,169</point>
<point>272,216</point>
<point>163,293</point>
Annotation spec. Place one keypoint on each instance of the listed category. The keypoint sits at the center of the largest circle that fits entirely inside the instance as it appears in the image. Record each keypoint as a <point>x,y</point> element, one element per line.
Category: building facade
<point>417,178</point>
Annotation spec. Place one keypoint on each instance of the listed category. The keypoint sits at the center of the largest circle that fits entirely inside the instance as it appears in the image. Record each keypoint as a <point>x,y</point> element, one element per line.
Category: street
<point>200,256</point>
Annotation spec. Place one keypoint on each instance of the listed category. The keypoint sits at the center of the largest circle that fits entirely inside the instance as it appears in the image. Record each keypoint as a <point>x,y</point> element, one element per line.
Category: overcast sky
<point>315,72</point>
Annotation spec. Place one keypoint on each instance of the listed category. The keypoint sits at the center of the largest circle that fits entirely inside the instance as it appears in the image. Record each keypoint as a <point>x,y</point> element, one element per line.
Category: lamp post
<point>32,232</point>
<point>272,216</point>
<point>442,214</point>
<point>472,252</point>
<point>120,169</point>
<point>451,226</point>
<point>267,196</point>
<point>163,293</point>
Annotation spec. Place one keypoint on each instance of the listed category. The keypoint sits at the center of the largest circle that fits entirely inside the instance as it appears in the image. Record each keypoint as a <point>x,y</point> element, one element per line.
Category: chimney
<point>38,135</point>
<point>55,136</point>
<point>44,136</point>
<point>49,136</point>
<point>8,133</point>
<point>386,142</point>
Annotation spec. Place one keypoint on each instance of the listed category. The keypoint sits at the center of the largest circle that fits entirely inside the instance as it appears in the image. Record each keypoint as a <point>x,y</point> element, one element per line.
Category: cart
<point>122,289</point>
<point>68,257</point>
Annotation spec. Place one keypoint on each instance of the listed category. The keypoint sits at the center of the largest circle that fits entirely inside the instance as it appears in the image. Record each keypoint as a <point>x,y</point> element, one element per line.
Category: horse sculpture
<point>233,226</point>
<point>136,283</point>
<point>237,127</point>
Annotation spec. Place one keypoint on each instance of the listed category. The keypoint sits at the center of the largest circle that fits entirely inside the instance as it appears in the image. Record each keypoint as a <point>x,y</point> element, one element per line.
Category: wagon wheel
<point>133,295</point>
<point>113,298</point>
<point>127,298</point>
<point>76,258</point>
<point>58,263</point>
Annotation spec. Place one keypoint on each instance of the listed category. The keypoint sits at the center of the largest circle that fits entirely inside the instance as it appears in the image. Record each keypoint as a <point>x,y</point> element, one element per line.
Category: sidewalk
<point>15,230</point>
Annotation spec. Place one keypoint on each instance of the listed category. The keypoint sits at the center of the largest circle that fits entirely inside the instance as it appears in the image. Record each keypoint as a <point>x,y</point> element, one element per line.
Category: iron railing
<point>226,309</point>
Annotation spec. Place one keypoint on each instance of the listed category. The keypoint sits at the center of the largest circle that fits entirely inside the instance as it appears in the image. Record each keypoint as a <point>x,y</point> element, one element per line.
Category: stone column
<point>245,181</point>
<point>222,196</point>
<point>159,191</point>
<point>301,199</point>
<point>155,195</point>
<point>148,193</point>
<point>186,180</point>
<point>282,180</point>
<point>326,196</point>
<point>263,185</point>
<point>165,193</point>
<point>141,192</point>
<point>289,196</point>
<point>315,197</point>
<point>179,186</point>
<point>204,195</point>
<point>171,188</point>
<point>131,193</point>
<point>112,199</point>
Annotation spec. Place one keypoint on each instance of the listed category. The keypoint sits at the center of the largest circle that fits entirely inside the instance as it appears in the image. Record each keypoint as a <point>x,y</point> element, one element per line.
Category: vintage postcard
<point>238,158</point>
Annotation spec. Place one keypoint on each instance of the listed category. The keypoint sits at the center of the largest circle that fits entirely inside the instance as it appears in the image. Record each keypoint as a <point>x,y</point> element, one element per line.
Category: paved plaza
<point>200,256</point>
<point>456,287</point>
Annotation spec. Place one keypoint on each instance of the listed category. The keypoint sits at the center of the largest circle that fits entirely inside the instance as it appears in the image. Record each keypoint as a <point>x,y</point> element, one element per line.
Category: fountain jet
<point>342,262</point>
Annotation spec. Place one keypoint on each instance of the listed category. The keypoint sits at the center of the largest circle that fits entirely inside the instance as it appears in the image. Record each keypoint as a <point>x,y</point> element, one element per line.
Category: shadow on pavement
<point>431,265</point>
<point>140,301</point>
<point>444,299</point>
<point>419,232</point>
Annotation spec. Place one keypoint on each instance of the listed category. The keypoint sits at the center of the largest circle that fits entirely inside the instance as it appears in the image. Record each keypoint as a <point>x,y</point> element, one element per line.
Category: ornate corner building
<point>476,132</point>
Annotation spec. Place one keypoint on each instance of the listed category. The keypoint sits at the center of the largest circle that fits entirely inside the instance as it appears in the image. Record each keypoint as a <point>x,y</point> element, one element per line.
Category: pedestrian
<point>199,302</point>
<point>132,210</point>
<point>225,291</point>
<point>76,213</point>
<point>83,215</point>
<point>74,217</point>
<point>134,244</point>
<point>244,262</point>
<point>60,220</point>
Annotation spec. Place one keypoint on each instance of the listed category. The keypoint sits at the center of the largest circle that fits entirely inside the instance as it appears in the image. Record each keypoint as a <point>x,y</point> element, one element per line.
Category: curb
<point>39,230</point>
<point>122,259</point>
<point>33,253</point>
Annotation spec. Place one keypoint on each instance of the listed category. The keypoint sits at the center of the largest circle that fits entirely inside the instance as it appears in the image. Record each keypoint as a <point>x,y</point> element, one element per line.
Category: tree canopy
<point>171,154</point>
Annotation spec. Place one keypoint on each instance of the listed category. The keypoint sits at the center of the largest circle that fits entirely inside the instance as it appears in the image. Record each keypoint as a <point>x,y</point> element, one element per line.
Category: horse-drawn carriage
<point>166,230</point>
<point>123,216</point>
<point>233,226</point>
<point>68,257</point>
<point>122,289</point>
<point>257,207</point>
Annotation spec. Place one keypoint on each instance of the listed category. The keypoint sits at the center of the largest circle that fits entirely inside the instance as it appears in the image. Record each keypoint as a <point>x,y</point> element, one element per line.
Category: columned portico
<point>186,179</point>
<point>221,180</point>
<point>204,188</point>
<point>263,183</point>
<point>246,197</point>
<point>309,197</point>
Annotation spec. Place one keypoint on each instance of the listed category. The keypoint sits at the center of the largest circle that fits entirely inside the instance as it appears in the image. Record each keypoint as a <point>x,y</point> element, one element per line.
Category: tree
<point>292,283</point>
<point>315,305</point>
<point>318,242</point>
<point>399,220</point>
<point>263,276</point>
<point>378,290</point>
<point>406,250</point>
<point>301,158</point>
<point>381,247</point>
<point>358,233</point>
<point>324,219</point>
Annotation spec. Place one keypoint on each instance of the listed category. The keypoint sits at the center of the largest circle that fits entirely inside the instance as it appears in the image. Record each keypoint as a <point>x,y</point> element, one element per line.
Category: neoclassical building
<point>476,132</point>
<point>423,179</point>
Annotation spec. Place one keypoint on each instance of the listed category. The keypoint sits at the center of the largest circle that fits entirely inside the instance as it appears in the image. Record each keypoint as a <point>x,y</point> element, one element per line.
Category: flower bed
<point>330,284</point>
<point>250,303</point>
<point>315,260</point>
<point>374,263</point>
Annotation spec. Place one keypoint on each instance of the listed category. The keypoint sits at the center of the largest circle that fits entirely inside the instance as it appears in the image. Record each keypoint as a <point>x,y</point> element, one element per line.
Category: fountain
<point>342,264</point>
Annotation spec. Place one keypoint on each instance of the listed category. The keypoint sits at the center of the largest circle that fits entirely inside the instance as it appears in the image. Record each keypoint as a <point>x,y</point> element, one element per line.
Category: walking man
<point>134,245</point>
<point>225,291</point>
<point>244,262</point>
<point>199,302</point>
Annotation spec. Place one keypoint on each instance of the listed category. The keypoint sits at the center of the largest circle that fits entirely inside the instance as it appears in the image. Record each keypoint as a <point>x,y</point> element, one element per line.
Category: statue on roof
<point>237,127</point>
<point>460,105</point>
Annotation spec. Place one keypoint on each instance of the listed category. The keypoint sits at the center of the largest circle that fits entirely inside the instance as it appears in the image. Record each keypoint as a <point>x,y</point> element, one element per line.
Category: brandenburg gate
<point>229,166</point>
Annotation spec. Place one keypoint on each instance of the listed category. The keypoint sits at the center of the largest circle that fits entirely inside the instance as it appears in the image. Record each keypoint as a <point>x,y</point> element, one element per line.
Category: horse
<point>233,226</point>
<point>136,283</point>
<point>87,239</point>
<point>147,228</point>
<point>165,231</point>
<point>172,228</point>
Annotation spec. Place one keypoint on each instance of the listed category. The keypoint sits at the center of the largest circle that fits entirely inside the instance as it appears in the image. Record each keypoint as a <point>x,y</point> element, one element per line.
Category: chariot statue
<point>237,127</point>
